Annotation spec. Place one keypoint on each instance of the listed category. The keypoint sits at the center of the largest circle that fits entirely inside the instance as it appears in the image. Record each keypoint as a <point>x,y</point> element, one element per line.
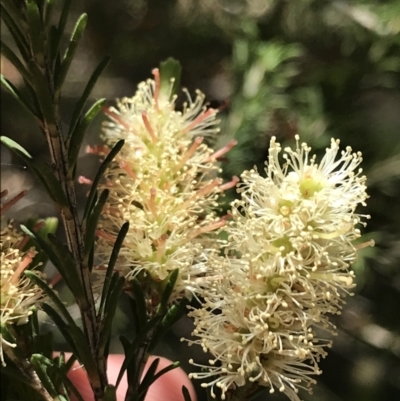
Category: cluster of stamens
<point>165,183</point>
<point>18,293</point>
<point>290,245</point>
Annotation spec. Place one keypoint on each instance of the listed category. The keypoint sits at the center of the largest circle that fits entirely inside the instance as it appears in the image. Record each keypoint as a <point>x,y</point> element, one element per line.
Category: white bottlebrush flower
<point>289,248</point>
<point>18,293</point>
<point>164,182</point>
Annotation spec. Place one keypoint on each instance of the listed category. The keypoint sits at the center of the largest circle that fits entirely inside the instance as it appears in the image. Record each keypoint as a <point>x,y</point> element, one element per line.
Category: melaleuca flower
<point>164,183</point>
<point>286,269</point>
<point>18,293</point>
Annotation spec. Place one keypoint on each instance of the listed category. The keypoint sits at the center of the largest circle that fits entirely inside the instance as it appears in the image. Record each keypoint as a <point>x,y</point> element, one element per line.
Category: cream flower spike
<point>165,183</point>
<point>290,245</point>
<point>18,294</point>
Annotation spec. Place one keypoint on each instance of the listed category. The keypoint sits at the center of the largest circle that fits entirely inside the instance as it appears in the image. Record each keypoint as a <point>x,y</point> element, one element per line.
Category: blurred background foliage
<point>318,68</point>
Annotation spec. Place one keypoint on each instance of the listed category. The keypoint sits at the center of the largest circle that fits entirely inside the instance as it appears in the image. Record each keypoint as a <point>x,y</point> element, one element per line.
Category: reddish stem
<point>11,202</point>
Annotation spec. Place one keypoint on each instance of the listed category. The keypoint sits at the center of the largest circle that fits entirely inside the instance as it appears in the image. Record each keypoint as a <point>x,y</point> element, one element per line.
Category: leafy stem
<point>52,129</point>
<point>44,69</point>
<point>29,374</point>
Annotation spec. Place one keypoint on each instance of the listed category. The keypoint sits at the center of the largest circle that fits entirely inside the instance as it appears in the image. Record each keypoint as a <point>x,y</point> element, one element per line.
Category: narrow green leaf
<point>48,12</point>
<point>11,17</point>
<point>90,258</point>
<point>170,76</point>
<point>111,284</point>
<point>9,337</point>
<point>146,381</point>
<point>61,374</point>
<point>61,27</point>
<point>95,199</point>
<point>108,318</point>
<point>91,225</point>
<point>52,37</point>
<point>69,363</point>
<point>107,348</point>
<point>42,170</point>
<point>36,33</point>
<point>76,114</point>
<point>70,52</point>
<point>34,321</point>
<point>17,95</point>
<point>53,187</point>
<point>33,98</point>
<point>43,94</point>
<point>151,379</point>
<point>15,147</point>
<point>69,271</point>
<point>13,58</point>
<point>53,256</point>
<point>6,335</point>
<point>109,158</point>
<point>139,339</point>
<point>41,6</point>
<point>74,337</point>
<point>62,326</point>
<point>167,315</point>
<point>74,142</point>
<point>174,313</point>
<point>110,268</point>
<point>186,394</point>
<point>60,359</point>
<point>52,295</point>
<point>65,367</point>
<point>171,280</point>
<point>44,344</point>
<point>60,362</point>
<point>15,10</point>
<point>130,369</point>
<point>37,362</point>
<point>139,302</point>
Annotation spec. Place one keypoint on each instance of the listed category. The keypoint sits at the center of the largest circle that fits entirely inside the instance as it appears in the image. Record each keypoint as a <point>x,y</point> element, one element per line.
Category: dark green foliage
<point>170,69</point>
<point>37,346</point>
<point>99,175</point>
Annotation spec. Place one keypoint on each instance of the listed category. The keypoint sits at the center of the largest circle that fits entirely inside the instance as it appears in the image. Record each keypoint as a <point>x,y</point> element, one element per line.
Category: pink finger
<point>167,388</point>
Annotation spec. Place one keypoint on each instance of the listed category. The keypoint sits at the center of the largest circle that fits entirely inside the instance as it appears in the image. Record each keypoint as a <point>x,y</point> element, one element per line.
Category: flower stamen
<point>149,127</point>
<point>223,150</point>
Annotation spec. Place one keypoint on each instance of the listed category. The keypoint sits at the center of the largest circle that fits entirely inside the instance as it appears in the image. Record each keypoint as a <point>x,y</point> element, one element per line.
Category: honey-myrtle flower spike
<point>286,270</point>
<point>164,182</point>
<point>146,115</point>
<point>257,335</point>
<point>18,293</point>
